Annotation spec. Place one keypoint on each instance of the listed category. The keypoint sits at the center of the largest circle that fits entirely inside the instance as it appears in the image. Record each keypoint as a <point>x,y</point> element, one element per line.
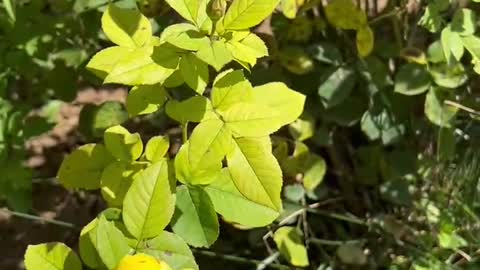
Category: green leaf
<point>157,148</point>
<point>175,80</point>
<point>86,245</point>
<point>184,36</point>
<point>194,109</point>
<point>172,249</point>
<point>145,65</point>
<point>94,120</point>
<point>412,79</point>
<point>472,44</point>
<point>194,72</point>
<point>83,168</point>
<point>314,170</point>
<point>149,204</point>
<point>352,254</point>
<point>327,53</point>
<point>464,22</point>
<point>435,52</point>
<point>117,179</point>
<point>195,219</point>
<point>9,6</point>
<point>225,197</point>
<point>452,44</point>
<point>345,15</point>
<point>215,54</point>
<point>378,123</point>
<point>451,240</point>
<point>337,87</point>
<point>194,11</point>
<point>243,14</point>
<point>448,76</point>
<point>290,243</point>
<point>303,128</point>
<point>145,99</point>
<point>248,50</point>
<point>432,19</point>
<point>88,239</point>
<point>51,256</point>
<point>230,87</point>
<point>103,62</point>
<point>112,245</point>
<point>126,27</point>
<point>365,40</point>
<point>436,111</point>
<point>256,172</point>
<point>205,171</point>
<point>122,144</point>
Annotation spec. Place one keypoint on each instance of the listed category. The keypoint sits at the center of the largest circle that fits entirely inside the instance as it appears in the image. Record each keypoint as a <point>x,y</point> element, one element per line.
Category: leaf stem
<point>185,132</point>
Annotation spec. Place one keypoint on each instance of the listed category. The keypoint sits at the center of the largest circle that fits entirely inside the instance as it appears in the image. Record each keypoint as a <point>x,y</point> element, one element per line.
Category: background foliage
<point>379,172</point>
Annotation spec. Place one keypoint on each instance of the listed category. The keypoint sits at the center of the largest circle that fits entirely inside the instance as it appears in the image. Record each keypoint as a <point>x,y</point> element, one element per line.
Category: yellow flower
<point>142,262</point>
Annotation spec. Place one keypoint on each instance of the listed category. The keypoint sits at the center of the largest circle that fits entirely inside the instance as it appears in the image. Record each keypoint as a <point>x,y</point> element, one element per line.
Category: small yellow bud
<point>142,262</point>
<point>216,9</point>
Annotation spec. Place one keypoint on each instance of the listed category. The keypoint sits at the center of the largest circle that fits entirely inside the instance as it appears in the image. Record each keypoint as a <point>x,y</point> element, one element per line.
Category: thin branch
<point>237,259</point>
<point>326,242</point>
<point>461,107</point>
<point>37,218</point>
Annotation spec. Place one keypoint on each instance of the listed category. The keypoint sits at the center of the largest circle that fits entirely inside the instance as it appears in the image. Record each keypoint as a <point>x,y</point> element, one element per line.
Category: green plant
<point>372,175</point>
<point>225,162</point>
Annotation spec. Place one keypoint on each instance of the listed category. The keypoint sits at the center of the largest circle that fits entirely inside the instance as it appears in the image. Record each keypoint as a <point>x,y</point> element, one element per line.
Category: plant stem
<point>326,242</point>
<point>461,107</point>
<point>238,259</point>
<point>350,219</point>
<point>185,132</point>
<point>392,13</point>
<point>37,218</point>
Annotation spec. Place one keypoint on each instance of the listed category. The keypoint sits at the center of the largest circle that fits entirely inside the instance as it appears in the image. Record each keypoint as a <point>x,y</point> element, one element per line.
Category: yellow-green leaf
<point>365,40</point>
<point>345,15</point>
<point>290,243</point>
<point>145,66</point>
<point>210,140</point>
<point>184,36</point>
<point>194,109</point>
<point>103,62</point>
<point>157,148</point>
<point>225,197</point>
<point>126,27</point>
<point>215,54</point>
<point>194,11</point>
<point>255,171</point>
<point>203,173</point>
<point>145,99</point>
<point>248,50</point>
<point>83,168</point>
<point>51,256</point>
<point>117,179</point>
<point>195,219</point>
<point>243,14</point>
<point>194,72</point>
<point>110,242</point>
<point>230,87</point>
<point>149,204</point>
<point>251,119</point>
<point>122,144</point>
